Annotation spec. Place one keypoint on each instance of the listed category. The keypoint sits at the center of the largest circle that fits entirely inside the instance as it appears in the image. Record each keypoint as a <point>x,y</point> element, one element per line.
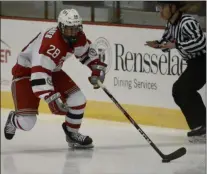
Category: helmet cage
<point>74,30</point>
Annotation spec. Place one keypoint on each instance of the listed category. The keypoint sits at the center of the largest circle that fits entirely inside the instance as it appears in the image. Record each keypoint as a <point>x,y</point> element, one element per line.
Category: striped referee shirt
<point>188,36</point>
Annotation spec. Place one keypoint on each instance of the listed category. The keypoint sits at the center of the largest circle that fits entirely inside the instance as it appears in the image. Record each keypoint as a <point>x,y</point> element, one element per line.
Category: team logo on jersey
<point>49,81</point>
<point>104,51</point>
<point>92,52</point>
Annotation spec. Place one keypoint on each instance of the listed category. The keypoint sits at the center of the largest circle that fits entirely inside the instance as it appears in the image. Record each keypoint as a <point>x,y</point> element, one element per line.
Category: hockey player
<point>38,75</point>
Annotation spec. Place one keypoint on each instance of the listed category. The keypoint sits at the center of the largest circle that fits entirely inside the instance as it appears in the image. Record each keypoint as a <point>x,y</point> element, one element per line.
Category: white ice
<point>119,149</point>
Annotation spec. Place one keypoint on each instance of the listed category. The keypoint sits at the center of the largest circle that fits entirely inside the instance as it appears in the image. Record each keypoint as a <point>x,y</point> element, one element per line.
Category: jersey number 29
<point>53,51</point>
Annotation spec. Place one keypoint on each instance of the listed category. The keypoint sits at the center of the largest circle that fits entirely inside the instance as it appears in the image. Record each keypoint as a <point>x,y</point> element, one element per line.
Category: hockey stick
<point>165,158</point>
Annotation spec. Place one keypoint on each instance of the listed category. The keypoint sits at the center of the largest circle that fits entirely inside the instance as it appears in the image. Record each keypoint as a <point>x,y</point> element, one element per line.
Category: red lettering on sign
<point>4,55</point>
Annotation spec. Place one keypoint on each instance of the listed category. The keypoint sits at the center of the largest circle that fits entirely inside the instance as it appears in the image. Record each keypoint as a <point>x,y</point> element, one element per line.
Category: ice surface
<point>119,149</point>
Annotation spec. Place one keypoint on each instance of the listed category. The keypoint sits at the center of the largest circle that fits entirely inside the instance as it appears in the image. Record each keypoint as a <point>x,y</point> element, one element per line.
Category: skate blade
<point>78,146</point>
<point>197,139</point>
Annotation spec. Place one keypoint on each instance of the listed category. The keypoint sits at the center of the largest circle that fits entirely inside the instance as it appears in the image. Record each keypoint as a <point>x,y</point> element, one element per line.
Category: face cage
<point>76,29</point>
<point>73,29</point>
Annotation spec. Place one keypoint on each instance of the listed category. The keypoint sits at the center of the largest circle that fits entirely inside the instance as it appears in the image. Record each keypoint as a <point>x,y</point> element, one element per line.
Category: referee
<point>184,33</point>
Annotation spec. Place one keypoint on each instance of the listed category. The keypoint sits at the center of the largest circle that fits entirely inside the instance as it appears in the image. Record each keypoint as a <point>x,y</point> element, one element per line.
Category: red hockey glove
<point>55,104</point>
<point>98,69</point>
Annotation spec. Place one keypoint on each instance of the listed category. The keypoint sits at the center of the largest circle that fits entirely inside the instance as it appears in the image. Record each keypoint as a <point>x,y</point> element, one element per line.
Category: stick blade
<point>177,154</point>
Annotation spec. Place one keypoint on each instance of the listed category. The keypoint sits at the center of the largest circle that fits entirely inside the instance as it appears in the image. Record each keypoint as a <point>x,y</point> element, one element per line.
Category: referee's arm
<point>166,35</point>
<point>196,40</point>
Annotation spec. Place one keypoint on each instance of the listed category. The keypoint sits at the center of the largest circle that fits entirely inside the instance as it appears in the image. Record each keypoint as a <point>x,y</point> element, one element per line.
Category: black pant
<point>185,92</point>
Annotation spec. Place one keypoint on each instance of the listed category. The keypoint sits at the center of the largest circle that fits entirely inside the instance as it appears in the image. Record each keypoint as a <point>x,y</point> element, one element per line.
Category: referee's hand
<point>169,45</point>
<point>153,44</point>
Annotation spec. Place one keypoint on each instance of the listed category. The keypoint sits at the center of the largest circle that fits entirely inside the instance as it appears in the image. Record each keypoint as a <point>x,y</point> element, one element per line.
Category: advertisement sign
<point>6,55</point>
<point>136,74</point>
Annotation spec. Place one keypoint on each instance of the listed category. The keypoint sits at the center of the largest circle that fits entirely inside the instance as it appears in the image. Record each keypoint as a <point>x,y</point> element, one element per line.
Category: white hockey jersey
<point>46,54</point>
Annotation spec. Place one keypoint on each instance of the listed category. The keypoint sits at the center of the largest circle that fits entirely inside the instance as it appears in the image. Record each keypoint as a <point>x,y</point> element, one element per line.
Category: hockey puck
<point>165,160</point>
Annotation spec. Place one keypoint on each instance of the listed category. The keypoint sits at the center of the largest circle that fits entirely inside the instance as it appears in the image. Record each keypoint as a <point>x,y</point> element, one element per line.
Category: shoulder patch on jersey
<point>92,52</point>
<point>49,81</point>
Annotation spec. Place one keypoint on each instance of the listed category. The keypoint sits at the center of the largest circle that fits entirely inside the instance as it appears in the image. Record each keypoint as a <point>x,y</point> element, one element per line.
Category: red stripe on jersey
<point>78,107</point>
<point>84,42</point>
<point>36,69</point>
<point>20,71</point>
<point>74,126</point>
<point>42,92</point>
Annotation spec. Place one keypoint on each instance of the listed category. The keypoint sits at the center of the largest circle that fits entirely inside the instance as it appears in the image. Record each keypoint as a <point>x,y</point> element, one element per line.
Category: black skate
<point>76,140</point>
<point>197,135</point>
<point>9,129</point>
